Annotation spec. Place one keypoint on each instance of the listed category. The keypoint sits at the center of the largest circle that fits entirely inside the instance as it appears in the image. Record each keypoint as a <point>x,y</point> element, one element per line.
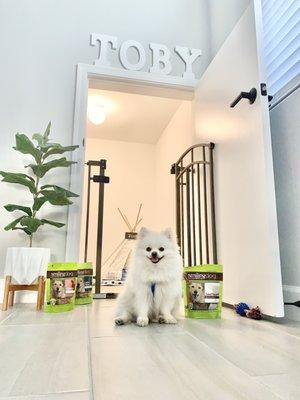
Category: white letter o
<point>141,53</point>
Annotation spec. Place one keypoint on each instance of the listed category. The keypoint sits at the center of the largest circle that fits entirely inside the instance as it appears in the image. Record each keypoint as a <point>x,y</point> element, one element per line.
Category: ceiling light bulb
<point>96,114</point>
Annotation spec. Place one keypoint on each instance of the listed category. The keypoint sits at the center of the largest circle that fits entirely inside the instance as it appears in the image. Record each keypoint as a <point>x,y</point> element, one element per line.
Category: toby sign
<point>161,55</point>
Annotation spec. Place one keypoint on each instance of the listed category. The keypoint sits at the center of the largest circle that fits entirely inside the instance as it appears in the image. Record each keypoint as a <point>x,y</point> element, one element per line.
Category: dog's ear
<point>143,232</point>
<point>168,233</point>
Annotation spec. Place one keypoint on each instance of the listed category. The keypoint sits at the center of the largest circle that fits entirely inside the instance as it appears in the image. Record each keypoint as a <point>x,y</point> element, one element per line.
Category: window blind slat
<point>275,36</point>
<point>285,79</point>
<point>281,21</point>
<point>277,14</point>
<point>283,55</point>
<point>285,65</point>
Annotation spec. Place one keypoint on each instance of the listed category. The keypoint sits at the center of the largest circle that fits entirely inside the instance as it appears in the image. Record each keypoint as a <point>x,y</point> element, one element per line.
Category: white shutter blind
<point>281,20</point>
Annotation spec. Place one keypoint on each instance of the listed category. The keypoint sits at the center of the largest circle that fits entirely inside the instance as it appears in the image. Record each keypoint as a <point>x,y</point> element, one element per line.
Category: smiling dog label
<point>60,287</point>
<point>202,291</point>
<point>84,287</point>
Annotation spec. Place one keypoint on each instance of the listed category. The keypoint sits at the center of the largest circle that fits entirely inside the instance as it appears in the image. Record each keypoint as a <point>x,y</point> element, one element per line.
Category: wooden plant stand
<point>11,288</point>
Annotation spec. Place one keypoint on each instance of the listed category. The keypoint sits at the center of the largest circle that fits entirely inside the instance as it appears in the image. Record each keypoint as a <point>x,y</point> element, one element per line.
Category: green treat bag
<point>84,287</point>
<point>202,291</point>
<point>60,287</point>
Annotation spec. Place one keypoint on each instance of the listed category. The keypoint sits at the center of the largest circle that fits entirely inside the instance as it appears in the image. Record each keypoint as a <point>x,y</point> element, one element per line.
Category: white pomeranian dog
<point>152,290</point>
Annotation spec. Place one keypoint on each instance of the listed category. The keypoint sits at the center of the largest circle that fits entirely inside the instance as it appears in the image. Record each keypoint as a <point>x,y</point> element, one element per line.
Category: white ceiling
<point>131,117</point>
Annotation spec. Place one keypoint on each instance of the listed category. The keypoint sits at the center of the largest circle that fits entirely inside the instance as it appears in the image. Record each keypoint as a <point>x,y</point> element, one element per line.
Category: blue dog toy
<point>241,309</point>
<point>245,311</point>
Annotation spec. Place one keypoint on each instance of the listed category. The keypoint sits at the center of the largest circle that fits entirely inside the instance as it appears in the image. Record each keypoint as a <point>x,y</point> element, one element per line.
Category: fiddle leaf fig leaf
<point>13,224</point>
<point>58,149</point>
<point>38,203</point>
<point>24,145</point>
<point>56,198</point>
<point>47,132</point>
<point>54,223</point>
<point>14,207</point>
<point>20,179</point>
<point>41,169</point>
<point>22,229</point>
<point>31,223</point>
<point>39,139</point>
<point>59,189</point>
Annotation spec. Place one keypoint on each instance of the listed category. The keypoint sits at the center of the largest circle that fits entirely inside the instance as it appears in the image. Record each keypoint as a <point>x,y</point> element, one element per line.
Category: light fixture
<point>96,113</point>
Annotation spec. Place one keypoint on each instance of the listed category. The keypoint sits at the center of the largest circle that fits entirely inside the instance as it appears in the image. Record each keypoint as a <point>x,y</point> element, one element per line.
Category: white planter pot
<point>25,264</point>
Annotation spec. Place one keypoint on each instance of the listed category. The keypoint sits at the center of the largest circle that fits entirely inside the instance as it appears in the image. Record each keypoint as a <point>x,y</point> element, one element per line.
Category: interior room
<point>141,137</point>
<point>149,200</point>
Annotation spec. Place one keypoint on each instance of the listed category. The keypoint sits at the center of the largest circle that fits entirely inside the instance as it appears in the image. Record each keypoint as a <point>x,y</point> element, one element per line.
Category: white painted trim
<point>105,74</point>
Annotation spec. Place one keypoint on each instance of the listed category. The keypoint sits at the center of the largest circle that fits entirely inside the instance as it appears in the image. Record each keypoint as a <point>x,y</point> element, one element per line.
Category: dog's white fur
<point>137,302</point>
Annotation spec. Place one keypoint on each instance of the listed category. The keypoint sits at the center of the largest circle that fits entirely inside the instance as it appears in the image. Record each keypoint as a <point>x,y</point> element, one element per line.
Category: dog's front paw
<point>141,321</point>
<point>167,320</point>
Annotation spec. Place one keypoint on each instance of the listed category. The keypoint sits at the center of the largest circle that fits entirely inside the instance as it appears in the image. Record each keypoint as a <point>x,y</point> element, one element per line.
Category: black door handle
<point>251,96</point>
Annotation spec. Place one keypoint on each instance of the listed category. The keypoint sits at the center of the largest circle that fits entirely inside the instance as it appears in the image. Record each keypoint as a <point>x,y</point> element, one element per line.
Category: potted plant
<point>46,156</point>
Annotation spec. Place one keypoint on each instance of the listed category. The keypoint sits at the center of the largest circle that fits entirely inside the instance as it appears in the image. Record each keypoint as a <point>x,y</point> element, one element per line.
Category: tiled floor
<point>81,355</point>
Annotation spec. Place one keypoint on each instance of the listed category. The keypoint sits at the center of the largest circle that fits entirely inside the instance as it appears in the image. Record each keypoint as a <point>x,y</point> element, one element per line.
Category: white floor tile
<point>101,321</point>
<point>59,396</point>
<point>286,386</point>
<point>42,359</point>
<point>161,367</point>
<point>27,315</point>
<point>254,346</point>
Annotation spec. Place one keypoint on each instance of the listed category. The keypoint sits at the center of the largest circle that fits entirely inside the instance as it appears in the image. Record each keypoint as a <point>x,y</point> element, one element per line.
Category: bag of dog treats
<point>84,287</point>
<point>202,291</point>
<point>60,287</point>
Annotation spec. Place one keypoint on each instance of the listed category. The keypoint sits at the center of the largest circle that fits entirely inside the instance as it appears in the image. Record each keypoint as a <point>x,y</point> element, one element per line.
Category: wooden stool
<point>11,288</point>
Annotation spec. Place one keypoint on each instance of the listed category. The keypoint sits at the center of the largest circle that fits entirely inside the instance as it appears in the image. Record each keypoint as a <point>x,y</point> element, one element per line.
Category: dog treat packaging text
<point>60,287</point>
<point>202,291</point>
<point>84,287</point>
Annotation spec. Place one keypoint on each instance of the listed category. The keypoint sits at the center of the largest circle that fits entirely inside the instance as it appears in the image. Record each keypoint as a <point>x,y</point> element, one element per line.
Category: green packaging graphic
<point>60,287</point>
<point>202,291</point>
<point>84,287</point>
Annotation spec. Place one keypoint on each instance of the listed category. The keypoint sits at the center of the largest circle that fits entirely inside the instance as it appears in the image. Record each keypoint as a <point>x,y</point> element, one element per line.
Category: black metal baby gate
<point>195,205</point>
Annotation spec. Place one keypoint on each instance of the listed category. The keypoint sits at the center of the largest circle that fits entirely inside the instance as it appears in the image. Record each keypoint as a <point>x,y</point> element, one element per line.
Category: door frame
<point>109,78</point>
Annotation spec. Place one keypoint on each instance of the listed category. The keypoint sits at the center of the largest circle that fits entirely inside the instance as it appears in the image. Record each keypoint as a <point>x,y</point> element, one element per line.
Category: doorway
<point>140,137</point>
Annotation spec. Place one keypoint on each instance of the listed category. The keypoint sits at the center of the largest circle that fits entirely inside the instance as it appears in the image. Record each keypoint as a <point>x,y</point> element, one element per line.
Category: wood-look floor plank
<point>254,346</point>
<point>42,359</point>
<point>59,396</point>
<point>286,386</point>
<point>170,366</point>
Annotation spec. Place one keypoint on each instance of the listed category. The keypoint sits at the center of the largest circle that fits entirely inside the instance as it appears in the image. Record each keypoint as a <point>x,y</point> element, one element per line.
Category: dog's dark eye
<point>148,249</point>
<point>161,249</point>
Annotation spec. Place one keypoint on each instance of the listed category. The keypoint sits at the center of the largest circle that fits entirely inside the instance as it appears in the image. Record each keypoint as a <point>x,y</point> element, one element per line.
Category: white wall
<point>131,168</point>
<point>223,15</point>
<point>176,138</point>
<point>42,41</point>
<point>285,127</point>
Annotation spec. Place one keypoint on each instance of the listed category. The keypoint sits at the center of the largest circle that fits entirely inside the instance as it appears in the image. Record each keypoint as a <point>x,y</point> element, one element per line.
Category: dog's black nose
<point>195,292</point>
<point>154,254</point>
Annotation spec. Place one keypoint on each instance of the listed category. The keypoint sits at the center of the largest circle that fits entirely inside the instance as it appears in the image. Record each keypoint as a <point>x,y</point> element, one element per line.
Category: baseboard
<point>20,297</point>
<point>291,294</point>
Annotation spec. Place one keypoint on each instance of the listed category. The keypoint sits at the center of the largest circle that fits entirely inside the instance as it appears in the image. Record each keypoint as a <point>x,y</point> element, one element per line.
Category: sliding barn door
<point>231,110</point>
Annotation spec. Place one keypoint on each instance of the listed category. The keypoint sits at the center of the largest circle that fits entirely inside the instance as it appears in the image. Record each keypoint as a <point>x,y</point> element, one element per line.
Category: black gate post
<point>101,179</point>
<point>100,227</point>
